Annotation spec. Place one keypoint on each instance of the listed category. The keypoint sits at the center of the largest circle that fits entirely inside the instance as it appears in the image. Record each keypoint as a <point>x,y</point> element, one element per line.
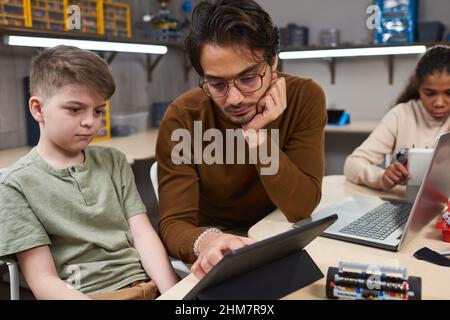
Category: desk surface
<point>139,146</point>
<point>355,126</point>
<point>328,252</point>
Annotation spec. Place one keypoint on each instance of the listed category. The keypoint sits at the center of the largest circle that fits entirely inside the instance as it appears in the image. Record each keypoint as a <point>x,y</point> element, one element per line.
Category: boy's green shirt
<point>81,212</point>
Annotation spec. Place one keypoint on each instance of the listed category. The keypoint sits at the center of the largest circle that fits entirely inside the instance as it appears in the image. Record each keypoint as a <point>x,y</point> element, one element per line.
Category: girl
<point>419,118</point>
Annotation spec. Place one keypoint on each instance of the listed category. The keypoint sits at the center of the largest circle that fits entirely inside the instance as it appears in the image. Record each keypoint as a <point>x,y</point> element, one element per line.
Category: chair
<point>13,272</point>
<point>180,268</point>
<point>13,277</point>
<point>154,178</point>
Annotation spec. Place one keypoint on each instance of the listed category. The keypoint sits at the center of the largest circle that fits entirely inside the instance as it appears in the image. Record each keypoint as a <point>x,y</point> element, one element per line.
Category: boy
<point>233,46</point>
<point>71,213</point>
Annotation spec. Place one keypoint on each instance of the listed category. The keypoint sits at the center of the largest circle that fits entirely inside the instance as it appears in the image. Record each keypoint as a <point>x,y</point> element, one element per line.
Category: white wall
<point>362,85</point>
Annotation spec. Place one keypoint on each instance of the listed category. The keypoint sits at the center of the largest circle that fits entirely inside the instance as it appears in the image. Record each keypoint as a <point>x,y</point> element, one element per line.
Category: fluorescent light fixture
<point>352,52</point>
<point>85,44</point>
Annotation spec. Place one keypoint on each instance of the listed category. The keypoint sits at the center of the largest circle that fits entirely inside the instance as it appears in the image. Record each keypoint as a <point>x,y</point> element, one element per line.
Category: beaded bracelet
<point>201,237</point>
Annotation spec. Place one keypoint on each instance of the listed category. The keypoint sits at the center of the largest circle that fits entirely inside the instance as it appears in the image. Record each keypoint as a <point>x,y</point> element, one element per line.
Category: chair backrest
<point>154,178</point>
<point>13,270</point>
<point>180,268</point>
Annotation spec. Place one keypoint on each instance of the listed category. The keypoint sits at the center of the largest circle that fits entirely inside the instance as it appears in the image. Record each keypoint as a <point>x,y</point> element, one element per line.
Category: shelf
<point>11,16</point>
<point>11,5</point>
<point>115,19</point>
<point>149,63</point>
<point>116,29</point>
<point>45,9</point>
<point>116,4</point>
<point>364,46</point>
<point>350,50</point>
<point>83,16</point>
<point>331,54</point>
<point>48,21</point>
<point>21,31</point>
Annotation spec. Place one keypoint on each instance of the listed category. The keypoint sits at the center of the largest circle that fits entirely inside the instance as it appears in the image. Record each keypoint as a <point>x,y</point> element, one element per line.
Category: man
<point>233,46</point>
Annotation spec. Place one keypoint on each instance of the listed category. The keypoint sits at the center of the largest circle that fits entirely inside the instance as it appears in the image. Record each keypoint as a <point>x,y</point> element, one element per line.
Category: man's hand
<point>394,174</point>
<point>212,249</point>
<point>271,105</point>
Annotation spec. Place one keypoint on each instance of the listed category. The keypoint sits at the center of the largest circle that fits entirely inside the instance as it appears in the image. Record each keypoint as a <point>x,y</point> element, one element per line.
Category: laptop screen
<point>434,190</point>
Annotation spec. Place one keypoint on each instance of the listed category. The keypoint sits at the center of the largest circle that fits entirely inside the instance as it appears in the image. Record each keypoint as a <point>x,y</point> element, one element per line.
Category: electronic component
<point>402,156</point>
<point>444,223</point>
<point>372,282</point>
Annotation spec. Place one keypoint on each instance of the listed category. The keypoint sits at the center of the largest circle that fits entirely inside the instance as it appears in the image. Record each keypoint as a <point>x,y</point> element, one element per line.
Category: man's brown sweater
<point>193,197</point>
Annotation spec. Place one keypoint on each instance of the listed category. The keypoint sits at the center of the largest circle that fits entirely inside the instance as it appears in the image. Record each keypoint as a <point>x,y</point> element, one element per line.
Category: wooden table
<point>355,126</point>
<point>328,252</point>
<point>139,146</point>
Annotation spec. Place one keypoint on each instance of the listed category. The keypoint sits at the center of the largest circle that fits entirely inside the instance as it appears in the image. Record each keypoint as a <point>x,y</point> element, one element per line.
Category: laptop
<point>237,264</point>
<point>385,223</point>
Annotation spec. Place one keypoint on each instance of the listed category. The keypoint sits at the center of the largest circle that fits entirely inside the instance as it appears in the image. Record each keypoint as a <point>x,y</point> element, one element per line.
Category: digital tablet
<point>261,253</point>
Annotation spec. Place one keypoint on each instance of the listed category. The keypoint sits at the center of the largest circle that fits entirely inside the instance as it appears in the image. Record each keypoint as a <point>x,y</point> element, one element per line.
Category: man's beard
<point>237,119</point>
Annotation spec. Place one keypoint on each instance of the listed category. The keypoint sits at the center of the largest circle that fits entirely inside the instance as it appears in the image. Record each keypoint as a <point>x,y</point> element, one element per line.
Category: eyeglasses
<point>245,84</point>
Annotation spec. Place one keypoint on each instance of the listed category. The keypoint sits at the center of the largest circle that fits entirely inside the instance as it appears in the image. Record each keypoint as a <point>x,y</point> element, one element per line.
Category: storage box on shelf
<point>47,14</point>
<point>91,15</point>
<point>398,21</point>
<point>430,31</point>
<point>14,13</point>
<point>117,20</point>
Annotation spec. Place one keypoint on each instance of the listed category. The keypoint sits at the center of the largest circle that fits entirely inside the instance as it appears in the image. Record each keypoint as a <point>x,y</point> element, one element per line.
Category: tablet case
<point>269,282</point>
<point>268,269</point>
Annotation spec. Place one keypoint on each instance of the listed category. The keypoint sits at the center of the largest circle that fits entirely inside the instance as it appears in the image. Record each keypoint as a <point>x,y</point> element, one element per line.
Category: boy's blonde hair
<point>58,66</point>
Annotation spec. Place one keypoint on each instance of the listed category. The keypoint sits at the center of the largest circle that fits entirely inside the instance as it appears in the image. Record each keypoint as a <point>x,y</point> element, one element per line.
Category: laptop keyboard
<point>380,222</point>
